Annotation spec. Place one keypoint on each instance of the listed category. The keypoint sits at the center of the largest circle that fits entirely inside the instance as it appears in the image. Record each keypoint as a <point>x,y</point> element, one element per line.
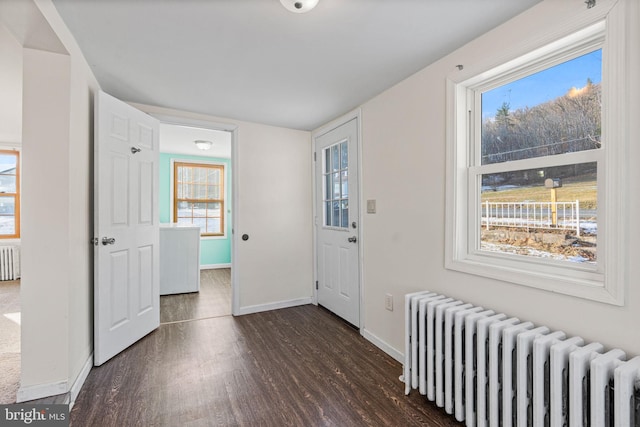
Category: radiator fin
<point>9,262</point>
<point>489,369</point>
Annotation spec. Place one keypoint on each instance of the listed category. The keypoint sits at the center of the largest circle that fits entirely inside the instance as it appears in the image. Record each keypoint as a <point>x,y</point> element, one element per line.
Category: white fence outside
<point>547,215</point>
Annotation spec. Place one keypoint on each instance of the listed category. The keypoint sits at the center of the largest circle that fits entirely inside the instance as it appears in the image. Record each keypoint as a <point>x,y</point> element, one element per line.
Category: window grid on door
<point>335,193</point>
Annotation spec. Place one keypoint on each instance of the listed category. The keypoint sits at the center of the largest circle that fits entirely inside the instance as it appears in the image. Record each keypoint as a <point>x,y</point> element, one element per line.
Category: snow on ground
<point>528,251</point>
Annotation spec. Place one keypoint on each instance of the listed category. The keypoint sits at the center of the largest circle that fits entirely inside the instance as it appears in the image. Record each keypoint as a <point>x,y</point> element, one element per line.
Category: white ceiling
<point>180,140</point>
<point>253,60</point>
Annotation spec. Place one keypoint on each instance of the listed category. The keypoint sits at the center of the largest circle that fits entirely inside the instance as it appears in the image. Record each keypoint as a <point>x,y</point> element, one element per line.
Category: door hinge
<point>316,284</point>
<point>314,156</point>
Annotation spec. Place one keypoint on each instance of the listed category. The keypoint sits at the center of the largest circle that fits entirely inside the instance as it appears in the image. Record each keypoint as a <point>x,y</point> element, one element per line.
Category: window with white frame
<point>534,150</point>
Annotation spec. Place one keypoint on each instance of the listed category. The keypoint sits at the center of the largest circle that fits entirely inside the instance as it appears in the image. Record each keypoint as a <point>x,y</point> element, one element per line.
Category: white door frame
<point>233,130</point>
<point>357,115</point>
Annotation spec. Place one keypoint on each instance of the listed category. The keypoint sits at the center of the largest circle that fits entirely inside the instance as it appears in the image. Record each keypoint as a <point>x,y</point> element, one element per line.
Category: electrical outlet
<point>388,302</point>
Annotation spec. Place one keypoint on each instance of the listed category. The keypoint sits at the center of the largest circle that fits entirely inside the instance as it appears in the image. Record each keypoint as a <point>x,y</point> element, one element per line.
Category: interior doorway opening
<point>195,192</point>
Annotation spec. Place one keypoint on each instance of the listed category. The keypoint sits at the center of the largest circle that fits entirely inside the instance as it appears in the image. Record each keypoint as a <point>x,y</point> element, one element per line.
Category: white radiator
<point>489,369</point>
<point>9,262</point>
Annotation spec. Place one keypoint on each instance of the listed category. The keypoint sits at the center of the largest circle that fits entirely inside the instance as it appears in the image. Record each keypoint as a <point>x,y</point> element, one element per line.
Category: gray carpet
<point>9,341</point>
<point>10,382</point>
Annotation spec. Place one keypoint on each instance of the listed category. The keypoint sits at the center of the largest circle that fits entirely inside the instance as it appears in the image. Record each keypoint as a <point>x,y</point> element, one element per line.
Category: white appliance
<point>179,259</point>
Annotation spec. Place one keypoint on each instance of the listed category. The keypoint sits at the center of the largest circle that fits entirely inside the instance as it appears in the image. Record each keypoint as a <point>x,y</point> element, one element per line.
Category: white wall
<point>10,88</point>
<point>272,181</point>
<point>404,135</point>
<point>57,282</point>
<point>275,210</point>
<point>45,211</point>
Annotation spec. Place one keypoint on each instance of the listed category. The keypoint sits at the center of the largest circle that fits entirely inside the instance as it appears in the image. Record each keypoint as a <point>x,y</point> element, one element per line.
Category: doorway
<point>195,190</point>
<point>337,210</point>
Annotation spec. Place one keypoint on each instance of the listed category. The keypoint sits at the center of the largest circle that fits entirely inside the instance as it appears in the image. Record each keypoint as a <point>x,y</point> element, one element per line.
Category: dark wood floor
<point>300,366</point>
<point>213,300</point>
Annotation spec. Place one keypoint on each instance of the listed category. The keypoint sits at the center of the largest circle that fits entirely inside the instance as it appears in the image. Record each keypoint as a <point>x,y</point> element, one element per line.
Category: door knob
<point>108,241</point>
<point>352,239</point>
<point>135,150</point>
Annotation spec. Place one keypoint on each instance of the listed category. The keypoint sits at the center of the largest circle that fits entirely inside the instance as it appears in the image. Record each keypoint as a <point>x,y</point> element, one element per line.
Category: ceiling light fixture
<point>202,144</point>
<point>299,6</point>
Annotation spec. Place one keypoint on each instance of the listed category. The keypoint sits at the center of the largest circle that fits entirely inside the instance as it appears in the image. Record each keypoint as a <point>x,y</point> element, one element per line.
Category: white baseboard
<point>214,266</point>
<point>272,306</point>
<point>384,346</point>
<point>80,379</point>
<point>40,391</point>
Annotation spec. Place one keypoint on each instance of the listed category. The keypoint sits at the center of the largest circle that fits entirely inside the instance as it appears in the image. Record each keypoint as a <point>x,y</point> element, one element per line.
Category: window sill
<point>580,283</point>
<point>223,237</point>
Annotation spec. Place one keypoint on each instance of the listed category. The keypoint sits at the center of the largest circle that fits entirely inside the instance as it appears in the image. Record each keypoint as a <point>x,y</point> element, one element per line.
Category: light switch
<point>371,206</point>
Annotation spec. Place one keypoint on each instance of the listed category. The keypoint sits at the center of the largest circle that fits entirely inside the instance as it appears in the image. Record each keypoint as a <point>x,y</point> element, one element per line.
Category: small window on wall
<point>198,197</point>
<point>9,194</point>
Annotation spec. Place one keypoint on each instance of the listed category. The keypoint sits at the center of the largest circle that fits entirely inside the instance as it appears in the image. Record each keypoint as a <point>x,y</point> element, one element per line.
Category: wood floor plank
<point>299,366</point>
<point>214,299</point>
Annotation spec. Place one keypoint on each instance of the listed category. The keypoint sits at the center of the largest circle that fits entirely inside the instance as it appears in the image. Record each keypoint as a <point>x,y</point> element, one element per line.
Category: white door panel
<point>337,222</point>
<point>126,279</point>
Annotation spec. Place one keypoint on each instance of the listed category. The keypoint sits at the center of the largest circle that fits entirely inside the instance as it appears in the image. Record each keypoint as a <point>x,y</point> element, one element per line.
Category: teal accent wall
<point>212,250</point>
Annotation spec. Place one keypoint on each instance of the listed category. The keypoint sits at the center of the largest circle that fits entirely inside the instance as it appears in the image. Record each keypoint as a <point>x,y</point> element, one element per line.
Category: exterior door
<point>126,239</point>
<point>336,173</point>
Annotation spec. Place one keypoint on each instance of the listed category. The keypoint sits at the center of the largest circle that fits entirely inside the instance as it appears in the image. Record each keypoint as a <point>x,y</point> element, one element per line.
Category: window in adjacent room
<point>199,196</point>
<point>9,194</point>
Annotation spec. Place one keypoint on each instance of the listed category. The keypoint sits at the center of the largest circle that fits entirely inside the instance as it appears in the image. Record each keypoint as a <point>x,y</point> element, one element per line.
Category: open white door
<point>126,277</point>
<point>337,205</point>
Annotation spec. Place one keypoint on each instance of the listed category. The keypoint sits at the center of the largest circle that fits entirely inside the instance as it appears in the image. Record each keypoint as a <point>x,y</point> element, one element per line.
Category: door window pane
<point>335,220</point>
<point>327,187</point>
<point>344,150</point>
<point>345,184</point>
<point>335,158</point>
<point>327,160</point>
<point>327,213</point>
<point>345,213</point>
<point>336,185</point>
